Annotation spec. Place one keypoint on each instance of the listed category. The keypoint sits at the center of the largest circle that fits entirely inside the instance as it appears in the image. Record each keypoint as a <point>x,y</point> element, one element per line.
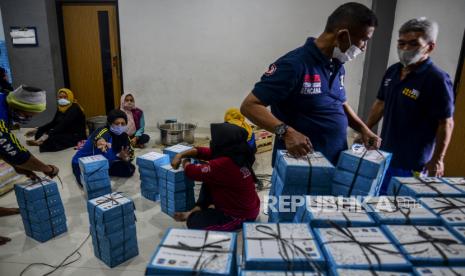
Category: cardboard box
<point>151,160</point>
<point>450,210</point>
<point>439,271</point>
<point>93,164</point>
<point>173,150</point>
<point>421,187</point>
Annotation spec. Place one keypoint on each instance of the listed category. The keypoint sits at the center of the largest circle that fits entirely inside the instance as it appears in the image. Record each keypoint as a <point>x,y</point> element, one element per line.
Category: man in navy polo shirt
<point>305,89</point>
<point>416,101</point>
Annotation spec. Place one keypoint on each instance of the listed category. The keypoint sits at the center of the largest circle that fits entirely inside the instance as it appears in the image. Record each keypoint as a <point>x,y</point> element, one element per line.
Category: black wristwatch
<point>280,130</point>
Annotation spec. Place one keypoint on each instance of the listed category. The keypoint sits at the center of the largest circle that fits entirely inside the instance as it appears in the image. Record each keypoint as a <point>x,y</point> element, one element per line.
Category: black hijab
<point>231,141</point>
<point>118,141</point>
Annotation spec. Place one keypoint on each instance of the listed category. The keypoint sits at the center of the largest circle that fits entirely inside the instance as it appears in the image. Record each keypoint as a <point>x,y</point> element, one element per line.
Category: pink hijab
<point>131,123</point>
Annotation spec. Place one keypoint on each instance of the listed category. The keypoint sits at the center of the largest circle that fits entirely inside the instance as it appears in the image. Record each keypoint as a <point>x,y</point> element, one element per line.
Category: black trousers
<point>57,142</point>
<point>143,139</point>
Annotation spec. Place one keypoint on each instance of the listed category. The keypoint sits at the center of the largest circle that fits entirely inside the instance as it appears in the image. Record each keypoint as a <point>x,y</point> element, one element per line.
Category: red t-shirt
<point>232,188</point>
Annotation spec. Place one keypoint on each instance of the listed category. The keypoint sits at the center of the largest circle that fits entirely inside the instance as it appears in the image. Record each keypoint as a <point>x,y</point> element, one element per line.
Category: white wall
<point>193,59</point>
<point>450,15</point>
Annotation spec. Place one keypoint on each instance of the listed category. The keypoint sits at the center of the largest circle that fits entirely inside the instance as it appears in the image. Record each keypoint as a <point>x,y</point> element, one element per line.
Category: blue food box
<point>168,174</point>
<point>281,208</point>
<point>115,225</point>
<point>32,190</point>
<point>115,239</point>
<point>296,172</point>
<point>370,164</point>
<point>360,248</point>
<point>95,176</point>
<point>108,207</point>
<point>279,273</point>
<point>456,182</point>
<point>94,185</point>
<point>459,232</point>
<point>421,187</point>
<point>98,193</point>
<point>48,225</point>
<point>326,211</point>
<point>177,186</point>
<point>149,173</point>
<point>45,235</point>
<point>40,203</point>
<point>400,210</point>
<point>41,215</point>
<point>346,183</point>
<point>451,210</point>
<point>151,160</point>
<point>439,271</point>
<point>153,196</point>
<point>111,262</point>
<point>427,245</point>
<point>366,272</point>
<point>173,150</point>
<point>93,164</point>
<point>266,244</point>
<point>194,252</point>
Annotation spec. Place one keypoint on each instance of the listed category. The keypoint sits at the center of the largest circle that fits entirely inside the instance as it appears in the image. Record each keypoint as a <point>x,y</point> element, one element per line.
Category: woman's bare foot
<point>181,216</point>
<point>4,240</point>
<point>33,143</point>
<point>8,211</point>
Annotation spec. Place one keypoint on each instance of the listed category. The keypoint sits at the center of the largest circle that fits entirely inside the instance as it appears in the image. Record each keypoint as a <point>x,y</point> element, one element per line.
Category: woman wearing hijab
<point>235,117</point>
<point>136,121</point>
<point>67,128</point>
<point>111,141</point>
<point>228,196</point>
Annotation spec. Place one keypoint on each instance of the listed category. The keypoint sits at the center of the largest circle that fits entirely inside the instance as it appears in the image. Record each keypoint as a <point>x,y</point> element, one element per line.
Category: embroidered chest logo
<point>341,81</point>
<point>311,85</point>
<point>411,93</point>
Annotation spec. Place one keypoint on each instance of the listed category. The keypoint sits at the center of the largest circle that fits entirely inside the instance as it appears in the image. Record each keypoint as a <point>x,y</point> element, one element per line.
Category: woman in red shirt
<point>227,197</point>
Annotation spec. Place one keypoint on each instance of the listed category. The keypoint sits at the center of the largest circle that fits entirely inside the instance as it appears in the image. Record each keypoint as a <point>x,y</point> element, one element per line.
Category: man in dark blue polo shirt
<point>305,88</point>
<point>416,101</point>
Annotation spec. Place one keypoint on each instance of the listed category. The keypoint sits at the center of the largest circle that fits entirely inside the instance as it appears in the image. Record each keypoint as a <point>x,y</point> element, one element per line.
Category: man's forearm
<point>376,113</point>
<point>34,164</point>
<point>258,113</point>
<point>443,135</point>
<point>354,121</point>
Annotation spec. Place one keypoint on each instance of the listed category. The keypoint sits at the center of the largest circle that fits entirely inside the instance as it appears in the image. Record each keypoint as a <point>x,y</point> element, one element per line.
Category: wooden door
<point>92,56</point>
<point>455,156</point>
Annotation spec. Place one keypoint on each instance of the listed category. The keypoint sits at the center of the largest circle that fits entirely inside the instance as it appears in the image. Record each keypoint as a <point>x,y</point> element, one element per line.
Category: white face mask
<point>349,54</point>
<point>408,57</point>
<point>63,102</point>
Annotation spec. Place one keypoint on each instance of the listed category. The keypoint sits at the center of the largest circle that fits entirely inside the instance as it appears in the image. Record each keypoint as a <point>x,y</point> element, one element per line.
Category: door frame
<point>61,34</point>
<point>458,72</point>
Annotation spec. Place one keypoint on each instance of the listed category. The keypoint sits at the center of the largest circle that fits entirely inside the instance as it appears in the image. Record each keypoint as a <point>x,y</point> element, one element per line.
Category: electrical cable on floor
<point>62,264</point>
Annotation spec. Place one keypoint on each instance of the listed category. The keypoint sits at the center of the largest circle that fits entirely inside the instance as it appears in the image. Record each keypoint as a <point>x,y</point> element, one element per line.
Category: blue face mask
<point>118,130</point>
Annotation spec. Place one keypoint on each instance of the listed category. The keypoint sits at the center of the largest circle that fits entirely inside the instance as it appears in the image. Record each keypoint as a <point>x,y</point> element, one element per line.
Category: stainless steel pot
<point>175,133</point>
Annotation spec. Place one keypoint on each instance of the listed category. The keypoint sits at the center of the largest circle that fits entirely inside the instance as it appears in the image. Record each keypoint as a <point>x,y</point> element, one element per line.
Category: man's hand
<point>186,162</point>
<point>125,154</point>
<point>134,141</point>
<point>52,172</point>
<point>103,145</point>
<point>27,173</point>
<point>370,139</point>
<point>297,144</point>
<point>31,132</point>
<point>435,168</point>
<point>176,161</point>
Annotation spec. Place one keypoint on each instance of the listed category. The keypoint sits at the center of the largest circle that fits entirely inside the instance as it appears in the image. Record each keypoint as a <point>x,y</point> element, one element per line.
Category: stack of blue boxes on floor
<point>360,172</point>
<point>421,187</point>
<point>113,228</point>
<point>280,247</point>
<point>173,150</point>
<point>94,175</point>
<point>194,252</point>
<point>176,190</point>
<point>41,209</point>
<point>149,167</point>
<point>309,175</point>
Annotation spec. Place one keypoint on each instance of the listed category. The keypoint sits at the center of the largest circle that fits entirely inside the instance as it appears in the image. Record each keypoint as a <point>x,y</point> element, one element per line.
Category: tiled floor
<point>151,224</point>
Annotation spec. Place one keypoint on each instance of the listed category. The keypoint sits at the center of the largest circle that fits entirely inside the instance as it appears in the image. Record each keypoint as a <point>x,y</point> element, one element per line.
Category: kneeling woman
<point>227,197</point>
<point>112,142</point>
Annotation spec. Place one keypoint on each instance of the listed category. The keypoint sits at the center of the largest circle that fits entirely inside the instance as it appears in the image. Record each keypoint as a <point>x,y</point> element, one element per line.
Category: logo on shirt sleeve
<point>271,70</point>
<point>411,93</point>
<point>386,82</point>
<point>341,81</point>
<point>311,85</point>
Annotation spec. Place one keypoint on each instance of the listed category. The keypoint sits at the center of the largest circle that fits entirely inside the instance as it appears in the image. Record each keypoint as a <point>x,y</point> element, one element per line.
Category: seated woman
<point>227,197</point>
<point>111,141</point>
<point>67,128</point>
<point>136,121</point>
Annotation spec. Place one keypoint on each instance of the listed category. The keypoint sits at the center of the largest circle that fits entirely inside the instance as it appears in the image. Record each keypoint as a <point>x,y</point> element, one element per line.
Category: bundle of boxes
<point>327,211</point>
<point>173,150</point>
<point>176,190</point>
<point>149,166</point>
<point>94,175</point>
<point>194,252</point>
<point>41,209</point>
<point>360,172</point>
<point>113,228</point>
<point>308,175</point>
<point>422,187</point>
